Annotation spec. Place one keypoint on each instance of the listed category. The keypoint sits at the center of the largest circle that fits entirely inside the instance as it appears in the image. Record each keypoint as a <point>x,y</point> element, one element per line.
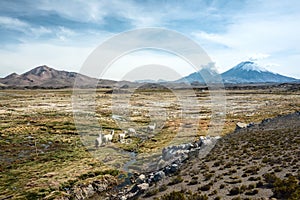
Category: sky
<point>62,34</point>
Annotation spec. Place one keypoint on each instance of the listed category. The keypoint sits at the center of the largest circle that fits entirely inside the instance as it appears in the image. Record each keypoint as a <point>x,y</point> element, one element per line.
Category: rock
<point>158,176</point>
<point>123,198</point>
<point>199,143</point>
<point>250,124</point>
<point>265,121</point>
<point>167,170</point>
<point>161,163</point>
<point>167,154</point>
<point>89,190</point>
<point>141,179</point>
<point>134,189</point>
<point>206,140</point>
<point>143,186</point>
<point>240,125</point>
<point>84,192</point>
<point>151,178</point>
<point>174,168</point>
<point>78,193</point>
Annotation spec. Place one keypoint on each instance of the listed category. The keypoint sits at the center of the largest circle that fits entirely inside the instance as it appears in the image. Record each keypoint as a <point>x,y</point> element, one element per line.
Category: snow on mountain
<point>250,66</point>
<point>250,72</point>
<point>244,72</point>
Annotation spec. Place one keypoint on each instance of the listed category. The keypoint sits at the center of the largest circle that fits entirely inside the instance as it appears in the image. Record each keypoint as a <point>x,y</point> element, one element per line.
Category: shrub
<point>235,191</point>
<point>252,170</point>
<point>176,180</point>
<point>254,178</point>
<point>251,186</point>
<point>193,182</point>
<point>205,187</point>
<point>213,193</point>
<point>243,188</point>
<point>277,169</point>
<point>285,189</point>
<point>217,164</point>
<point>259,184</point>
<point>151,193</point>
<point>175,195</point>
<point>270,179</point>
<point>163,188</point>
<point>208,176</point>
<point>198,197</point>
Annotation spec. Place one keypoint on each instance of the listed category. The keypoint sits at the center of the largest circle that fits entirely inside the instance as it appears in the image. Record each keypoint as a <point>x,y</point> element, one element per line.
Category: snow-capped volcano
<point>250,72</point>
<point>244,72</point>
<point>204,75</point>
<point>250,66</point>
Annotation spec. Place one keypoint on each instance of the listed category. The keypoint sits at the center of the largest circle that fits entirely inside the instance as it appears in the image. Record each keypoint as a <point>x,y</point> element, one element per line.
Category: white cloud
<point>13,23</point>
<point>28,29</point>
<point>83,11</point>
<point>132,66</point>
<point>261,35</point>
<point>26,56</point>
<point>258,56</point>
<point>265,31</point>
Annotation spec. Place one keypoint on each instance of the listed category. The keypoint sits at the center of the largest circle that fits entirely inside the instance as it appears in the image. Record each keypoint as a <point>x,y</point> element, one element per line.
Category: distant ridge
<point>197,76</point>
<point>250,72</point>
<point>244,72</point>
<point>46,77</point>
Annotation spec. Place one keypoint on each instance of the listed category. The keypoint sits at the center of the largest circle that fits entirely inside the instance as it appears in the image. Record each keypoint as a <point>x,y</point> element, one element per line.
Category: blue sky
<point>61,34</point>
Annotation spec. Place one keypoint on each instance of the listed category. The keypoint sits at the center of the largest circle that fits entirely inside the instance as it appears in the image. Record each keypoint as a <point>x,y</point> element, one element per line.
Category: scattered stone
<point>143,186</point>
<point>170,161</point>
<point>141,179</point>
<point>174,168</point>
<point>240,125</point>
<point>158,176</point>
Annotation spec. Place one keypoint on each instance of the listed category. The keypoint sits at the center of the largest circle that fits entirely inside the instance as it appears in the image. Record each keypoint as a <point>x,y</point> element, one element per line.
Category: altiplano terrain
<point>42,154</point>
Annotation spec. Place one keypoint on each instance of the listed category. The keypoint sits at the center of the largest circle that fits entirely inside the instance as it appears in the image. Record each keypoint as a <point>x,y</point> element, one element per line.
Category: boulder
<point>240,125</point>
<point>143,186</point>
<point>141,179</point>
<point>174,168</point>
<point>158,176</point>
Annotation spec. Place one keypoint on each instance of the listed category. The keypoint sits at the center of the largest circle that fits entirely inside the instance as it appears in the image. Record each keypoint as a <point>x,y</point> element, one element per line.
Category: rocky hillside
<point>261,161</point>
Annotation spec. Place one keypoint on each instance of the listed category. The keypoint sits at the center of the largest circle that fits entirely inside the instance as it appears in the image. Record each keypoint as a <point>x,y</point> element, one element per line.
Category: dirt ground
<point>42,154</point>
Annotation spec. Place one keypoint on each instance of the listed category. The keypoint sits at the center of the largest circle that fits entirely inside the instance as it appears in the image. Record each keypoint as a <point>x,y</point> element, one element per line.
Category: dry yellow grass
<point>41,151</point>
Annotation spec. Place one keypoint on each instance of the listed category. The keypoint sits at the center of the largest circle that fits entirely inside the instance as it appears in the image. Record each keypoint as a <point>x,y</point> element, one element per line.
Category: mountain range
<point>46,77</point>
<point>244,72</point>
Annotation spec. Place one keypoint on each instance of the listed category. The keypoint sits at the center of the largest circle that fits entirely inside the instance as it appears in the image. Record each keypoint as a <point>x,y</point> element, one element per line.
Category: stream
<point>131,161</point>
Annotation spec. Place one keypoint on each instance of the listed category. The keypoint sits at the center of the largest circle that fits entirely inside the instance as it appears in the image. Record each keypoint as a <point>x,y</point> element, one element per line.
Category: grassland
<point>42,155</point>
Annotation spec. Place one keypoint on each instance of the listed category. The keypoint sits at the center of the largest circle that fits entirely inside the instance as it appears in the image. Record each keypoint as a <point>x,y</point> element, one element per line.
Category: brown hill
<point>46,77</point>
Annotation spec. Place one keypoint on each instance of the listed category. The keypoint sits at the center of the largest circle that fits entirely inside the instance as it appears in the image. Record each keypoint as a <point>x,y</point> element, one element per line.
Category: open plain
<point>42,155</point>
